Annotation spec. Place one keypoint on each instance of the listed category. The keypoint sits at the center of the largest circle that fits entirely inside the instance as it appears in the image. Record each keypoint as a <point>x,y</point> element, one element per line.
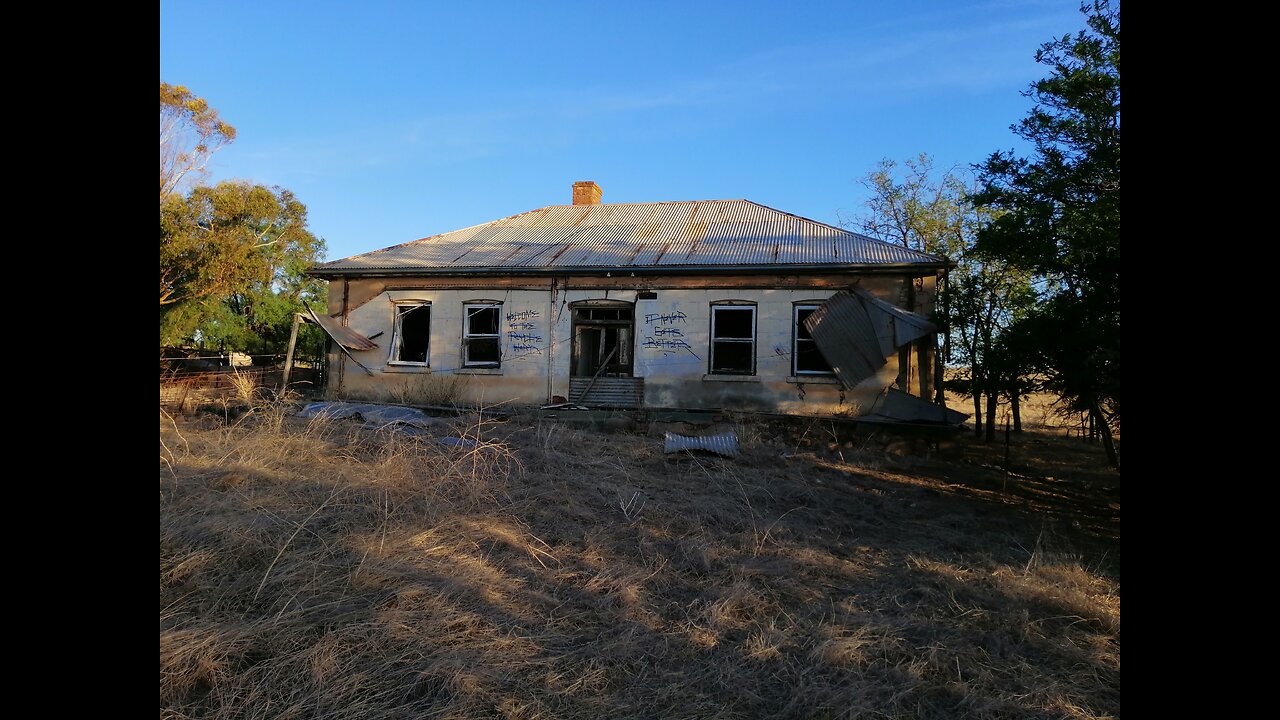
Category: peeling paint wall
<point>672,336</point>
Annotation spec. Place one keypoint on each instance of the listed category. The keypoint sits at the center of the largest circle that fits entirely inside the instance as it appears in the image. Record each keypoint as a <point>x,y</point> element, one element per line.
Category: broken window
<point>412,342</point>
<point>733,339</point>
<point>805,357</point>
<point>481,336</point>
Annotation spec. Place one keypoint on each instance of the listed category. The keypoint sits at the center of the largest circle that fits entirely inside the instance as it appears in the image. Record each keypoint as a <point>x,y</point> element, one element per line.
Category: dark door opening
<point>602,339</point>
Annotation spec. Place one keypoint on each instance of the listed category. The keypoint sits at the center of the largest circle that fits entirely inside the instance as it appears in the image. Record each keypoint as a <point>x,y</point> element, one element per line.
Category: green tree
<point>1059,218</point>
<point>232,257</point>
<point>914,205</point>
<point>190,133</point>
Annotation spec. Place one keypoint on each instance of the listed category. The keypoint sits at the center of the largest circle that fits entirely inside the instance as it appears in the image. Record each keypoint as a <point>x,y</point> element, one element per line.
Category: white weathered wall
<point>671,348</point>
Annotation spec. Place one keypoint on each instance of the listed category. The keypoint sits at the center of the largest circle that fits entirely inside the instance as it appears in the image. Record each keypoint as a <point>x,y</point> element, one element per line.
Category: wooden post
<point>288,355</point>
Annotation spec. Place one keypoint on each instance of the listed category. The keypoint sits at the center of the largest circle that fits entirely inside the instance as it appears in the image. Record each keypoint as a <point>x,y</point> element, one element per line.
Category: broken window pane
<point>732,322</point>
<point>482,321</point>
<point>809,359</point>
<point>733,339</point>
<point>481,339</point>
<point>802,332</point>
<point>806,357</point>
<point>732,357</point>
<point>483,350</point>
<point>413,333</point>
<point>610,314</point>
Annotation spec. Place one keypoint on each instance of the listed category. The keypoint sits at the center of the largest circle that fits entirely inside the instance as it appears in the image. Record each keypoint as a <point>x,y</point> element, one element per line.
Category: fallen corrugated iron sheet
<point>900,407</point>
<point>907,326</point>
<point>372,414</point>
<point>857,332</point>
<point>725,444</point>
<point>704,233</point>
<point>344,336</point>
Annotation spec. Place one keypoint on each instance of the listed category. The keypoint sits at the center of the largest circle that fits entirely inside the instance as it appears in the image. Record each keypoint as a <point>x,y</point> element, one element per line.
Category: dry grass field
<point>318,569</point>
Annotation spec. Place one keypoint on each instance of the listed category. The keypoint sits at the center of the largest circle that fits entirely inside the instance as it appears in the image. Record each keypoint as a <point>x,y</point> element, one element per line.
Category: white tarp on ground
<point>371,413</point>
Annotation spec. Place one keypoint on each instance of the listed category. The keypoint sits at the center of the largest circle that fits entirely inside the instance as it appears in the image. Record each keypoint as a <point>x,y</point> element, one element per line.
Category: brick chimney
<point>586,193</point>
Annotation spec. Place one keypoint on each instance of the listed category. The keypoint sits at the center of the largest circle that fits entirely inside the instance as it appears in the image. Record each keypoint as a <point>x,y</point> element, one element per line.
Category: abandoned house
<point>713,304</point>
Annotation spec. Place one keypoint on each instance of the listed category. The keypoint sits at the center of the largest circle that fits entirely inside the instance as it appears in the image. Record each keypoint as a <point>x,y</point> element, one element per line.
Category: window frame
<point>468,336</point>
<point>796,340</point>
<point>712,340</point>
<point>398,332</point>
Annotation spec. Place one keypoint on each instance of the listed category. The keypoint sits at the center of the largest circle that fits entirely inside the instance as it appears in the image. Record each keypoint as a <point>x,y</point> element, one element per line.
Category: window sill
<point>731,378</point>
<point>813,379</point>
<point>398,366</point>
<point>478,371</point>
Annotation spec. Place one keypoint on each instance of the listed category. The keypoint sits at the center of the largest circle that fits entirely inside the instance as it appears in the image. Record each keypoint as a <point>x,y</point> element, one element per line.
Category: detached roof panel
<point>704,233</point>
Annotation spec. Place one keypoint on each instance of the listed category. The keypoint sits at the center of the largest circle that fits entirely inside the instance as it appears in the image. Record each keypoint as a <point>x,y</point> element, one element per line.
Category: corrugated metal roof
<point>704,233</point>
<point>857,332</point>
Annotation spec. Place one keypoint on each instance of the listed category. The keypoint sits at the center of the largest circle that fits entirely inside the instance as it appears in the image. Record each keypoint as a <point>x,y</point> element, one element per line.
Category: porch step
<point>607,391</point>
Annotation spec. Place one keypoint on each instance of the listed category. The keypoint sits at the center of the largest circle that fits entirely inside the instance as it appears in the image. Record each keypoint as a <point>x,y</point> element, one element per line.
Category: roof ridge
<point>547,227</point>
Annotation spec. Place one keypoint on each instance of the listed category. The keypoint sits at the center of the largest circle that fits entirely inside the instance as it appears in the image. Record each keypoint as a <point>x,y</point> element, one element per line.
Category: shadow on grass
<point>343,576</point>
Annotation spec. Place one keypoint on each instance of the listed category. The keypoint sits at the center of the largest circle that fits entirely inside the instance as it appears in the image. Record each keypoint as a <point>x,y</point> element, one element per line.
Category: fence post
<point>288,355</point>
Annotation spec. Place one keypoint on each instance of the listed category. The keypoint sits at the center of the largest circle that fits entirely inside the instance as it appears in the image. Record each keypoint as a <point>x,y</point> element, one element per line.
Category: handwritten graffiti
<point>667,346</point>
<point>522,333</point>
<point>668,331</point>
<point>665,318</point>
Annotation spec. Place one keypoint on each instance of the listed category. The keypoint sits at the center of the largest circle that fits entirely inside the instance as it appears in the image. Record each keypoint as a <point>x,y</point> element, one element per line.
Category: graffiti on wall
<point>665,333</point>
<point>523,334</point>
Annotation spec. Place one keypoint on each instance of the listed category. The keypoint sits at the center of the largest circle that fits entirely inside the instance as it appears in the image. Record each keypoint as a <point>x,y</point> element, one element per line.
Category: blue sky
<point>398,120</point>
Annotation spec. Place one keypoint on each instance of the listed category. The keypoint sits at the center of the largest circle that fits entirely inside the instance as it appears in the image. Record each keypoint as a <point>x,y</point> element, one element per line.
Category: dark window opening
<point>733,339</point>
<point>481,339</point>
<point>806,356</point>
<point>615,314</point>
<point>413,334</point>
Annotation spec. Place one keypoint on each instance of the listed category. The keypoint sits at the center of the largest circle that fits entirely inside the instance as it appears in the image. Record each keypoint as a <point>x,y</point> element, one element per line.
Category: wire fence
<point>184,391</point>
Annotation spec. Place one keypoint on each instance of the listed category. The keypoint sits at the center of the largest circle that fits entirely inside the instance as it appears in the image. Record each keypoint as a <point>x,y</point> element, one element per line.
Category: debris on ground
<point>375,416</point>
<point>725,444</point>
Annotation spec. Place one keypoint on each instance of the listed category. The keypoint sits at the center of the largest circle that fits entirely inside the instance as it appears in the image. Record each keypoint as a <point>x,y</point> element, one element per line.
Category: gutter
<point>320,271</point>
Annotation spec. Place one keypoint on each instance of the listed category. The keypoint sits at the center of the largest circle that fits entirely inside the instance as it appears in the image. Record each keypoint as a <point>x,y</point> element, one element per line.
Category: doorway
<point>603,339</point>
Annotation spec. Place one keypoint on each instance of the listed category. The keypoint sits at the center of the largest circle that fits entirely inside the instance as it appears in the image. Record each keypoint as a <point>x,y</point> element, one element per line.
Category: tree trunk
<point>977,410</point>
<point>992,399</point>
<point>1015,405</point>
<point>1104,429</point>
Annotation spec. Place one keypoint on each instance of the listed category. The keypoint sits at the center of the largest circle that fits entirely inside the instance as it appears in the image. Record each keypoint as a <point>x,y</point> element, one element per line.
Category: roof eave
<point>921,268</point>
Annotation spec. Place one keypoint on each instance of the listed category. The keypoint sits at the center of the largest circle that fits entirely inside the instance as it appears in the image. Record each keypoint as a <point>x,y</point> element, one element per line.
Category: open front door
<point>603,339</point>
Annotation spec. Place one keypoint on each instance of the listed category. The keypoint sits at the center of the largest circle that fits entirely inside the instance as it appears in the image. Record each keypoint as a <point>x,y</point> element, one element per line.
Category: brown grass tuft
<point>544,571</point>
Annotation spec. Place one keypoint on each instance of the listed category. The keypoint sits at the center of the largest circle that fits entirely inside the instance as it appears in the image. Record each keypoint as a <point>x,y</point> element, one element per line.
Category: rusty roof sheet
<point>704,233</point>
<point>857,332</point>
<point>897,406</point>
<point>344,336</point>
